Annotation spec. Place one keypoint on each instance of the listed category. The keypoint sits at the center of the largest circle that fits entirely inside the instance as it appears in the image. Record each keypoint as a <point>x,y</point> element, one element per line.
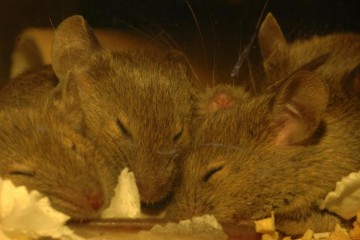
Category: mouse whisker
<point>214,61</point>
<point>199,30</point>
<point>245,52</point>
<point>148,34</point>
<point>165,36</point>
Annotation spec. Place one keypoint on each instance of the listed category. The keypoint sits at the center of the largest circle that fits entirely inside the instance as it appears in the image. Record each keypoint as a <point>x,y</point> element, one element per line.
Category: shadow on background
<point>225,25</point>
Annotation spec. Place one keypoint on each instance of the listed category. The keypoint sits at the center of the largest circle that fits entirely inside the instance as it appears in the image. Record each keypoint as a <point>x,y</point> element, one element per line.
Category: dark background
<point>225,25</point>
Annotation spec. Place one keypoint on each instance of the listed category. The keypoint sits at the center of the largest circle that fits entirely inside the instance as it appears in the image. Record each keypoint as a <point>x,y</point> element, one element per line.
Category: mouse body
<point>43,148</point>
<point>280,151</point>
<point>137,104</point>
<point>337,53</point>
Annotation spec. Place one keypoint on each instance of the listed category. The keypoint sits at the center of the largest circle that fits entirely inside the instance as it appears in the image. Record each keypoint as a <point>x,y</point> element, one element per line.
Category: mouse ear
<point>66,101</point>
<point>73,44</point>
<point>273,45</point>
<point>351,83</point>
<point>298,108</point>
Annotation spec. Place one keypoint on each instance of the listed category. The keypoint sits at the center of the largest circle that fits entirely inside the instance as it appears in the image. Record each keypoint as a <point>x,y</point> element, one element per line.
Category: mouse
<point>43,148</point>
<point>137,104</point>
<point>282,57</point>
<point>280,151</point>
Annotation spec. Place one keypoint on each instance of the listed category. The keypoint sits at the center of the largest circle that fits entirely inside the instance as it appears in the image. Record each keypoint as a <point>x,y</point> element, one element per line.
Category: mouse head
<point>246,144</point>
<point>236,183</point>
<point>287,115</point>
<point>215,180</point>
<point>42,148</point>
<point>136,104</point>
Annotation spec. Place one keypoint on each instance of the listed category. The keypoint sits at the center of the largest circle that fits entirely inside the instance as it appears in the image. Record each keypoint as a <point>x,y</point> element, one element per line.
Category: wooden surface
<point>134,229</point>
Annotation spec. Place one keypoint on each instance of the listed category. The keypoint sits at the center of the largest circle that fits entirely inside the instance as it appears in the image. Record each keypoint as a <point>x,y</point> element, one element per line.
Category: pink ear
<point>298,108</point>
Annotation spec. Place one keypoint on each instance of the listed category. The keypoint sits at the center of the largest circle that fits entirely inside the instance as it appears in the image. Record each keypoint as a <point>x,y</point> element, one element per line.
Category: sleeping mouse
<point>137,104</point>
<point>281,151</point>
<point>43,148</point>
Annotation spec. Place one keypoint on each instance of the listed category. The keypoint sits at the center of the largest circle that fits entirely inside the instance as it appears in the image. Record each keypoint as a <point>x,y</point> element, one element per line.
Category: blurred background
<point>212,31</point>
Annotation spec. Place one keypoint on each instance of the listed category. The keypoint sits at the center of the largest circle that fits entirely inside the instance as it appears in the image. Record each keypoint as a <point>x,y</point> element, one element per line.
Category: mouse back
<point>28,87</point>
<point>339,53</point>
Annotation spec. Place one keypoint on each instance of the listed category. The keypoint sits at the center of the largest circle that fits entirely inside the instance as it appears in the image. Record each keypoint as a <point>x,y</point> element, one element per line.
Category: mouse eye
<point>178,135</point>
<point>123,129</point>
<point>24,173</point>
<point>210,173</point>
<point>73,147</point>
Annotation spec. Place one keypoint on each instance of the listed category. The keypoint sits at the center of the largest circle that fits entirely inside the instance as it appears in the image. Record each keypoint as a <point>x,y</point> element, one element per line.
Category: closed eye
<point>123,129</point>
<point>73,147</point>
<point>210,173</point>
<point>178,135</point>
<point>23,173</point>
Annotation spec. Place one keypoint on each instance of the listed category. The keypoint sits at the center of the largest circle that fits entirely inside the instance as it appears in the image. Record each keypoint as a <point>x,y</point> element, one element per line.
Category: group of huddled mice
<point>67,130</point>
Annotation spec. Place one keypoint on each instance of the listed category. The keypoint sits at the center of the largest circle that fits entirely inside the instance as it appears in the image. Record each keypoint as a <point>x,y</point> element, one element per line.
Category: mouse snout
<point>95,200</point>
<point>147,192</point>
<point>152,191</point>
<point>155,178</point>
<point>79,204</point>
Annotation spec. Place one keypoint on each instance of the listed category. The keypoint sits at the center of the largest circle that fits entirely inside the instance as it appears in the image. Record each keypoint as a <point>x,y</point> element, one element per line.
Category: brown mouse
<point>42,147</point>
<point>137,104</point>
<point>282,151</point>
<point>282,58</point>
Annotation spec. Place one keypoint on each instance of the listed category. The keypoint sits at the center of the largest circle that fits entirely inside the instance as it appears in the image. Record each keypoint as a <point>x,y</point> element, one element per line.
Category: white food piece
<point>345,200</point>
<point>266,225</point>
<point>320,236</point>
<point>126,201</point>
<point>308,235</point>
<point>339,233</point>
<point>26,214</point>
<point>206,226</point>
<point>270,236</point>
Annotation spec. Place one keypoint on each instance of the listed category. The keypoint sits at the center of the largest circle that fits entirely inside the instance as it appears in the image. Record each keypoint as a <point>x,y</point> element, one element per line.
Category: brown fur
<point>283,150</point>
<point>136,104</point>
<point>282,58</point>
<point>28,87</point>
<point>42,148</point>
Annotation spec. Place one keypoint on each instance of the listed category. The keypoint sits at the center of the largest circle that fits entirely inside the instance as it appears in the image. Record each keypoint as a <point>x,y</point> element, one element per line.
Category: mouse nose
<point>95,200</point>
<point>147,192</point>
